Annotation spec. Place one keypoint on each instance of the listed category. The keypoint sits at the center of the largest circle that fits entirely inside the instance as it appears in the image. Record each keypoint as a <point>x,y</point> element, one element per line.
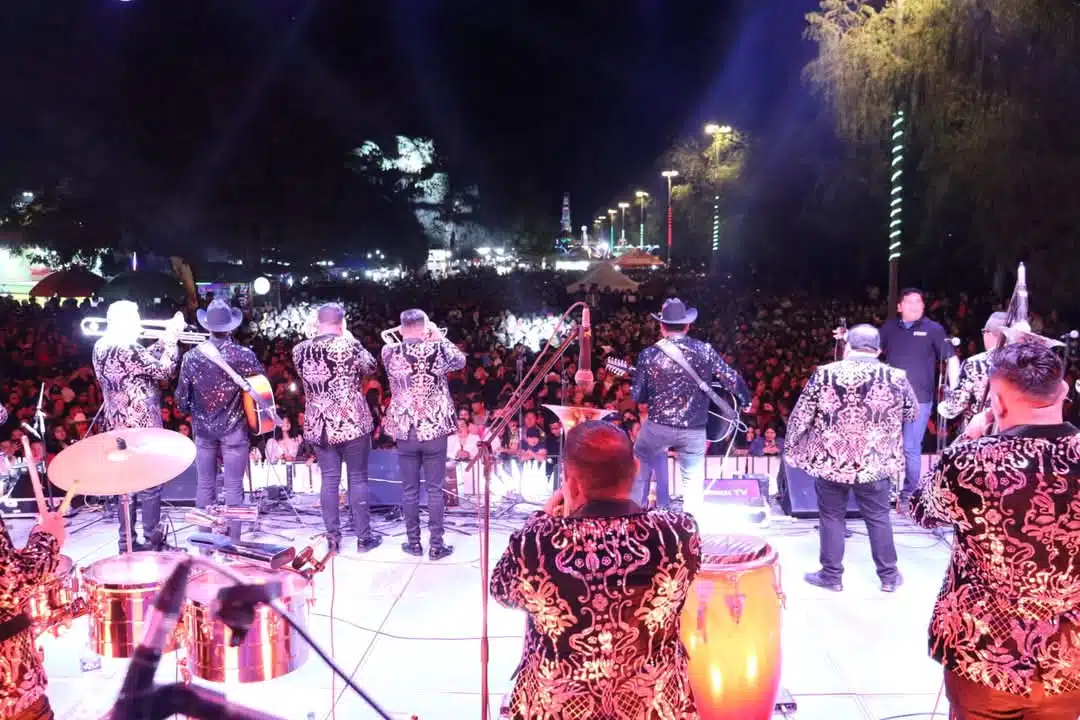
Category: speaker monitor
<point>798,497</point>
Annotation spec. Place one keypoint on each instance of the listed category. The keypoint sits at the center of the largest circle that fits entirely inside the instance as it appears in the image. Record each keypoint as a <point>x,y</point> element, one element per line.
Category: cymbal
<point>122,461</point>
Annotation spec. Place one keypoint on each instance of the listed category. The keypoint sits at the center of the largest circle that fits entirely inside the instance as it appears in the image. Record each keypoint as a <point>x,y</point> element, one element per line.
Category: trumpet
<point>393,335</point>
<point>149,330</point>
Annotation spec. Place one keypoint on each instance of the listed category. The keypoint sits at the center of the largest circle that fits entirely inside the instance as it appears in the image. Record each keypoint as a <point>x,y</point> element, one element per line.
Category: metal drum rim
<point>770,556</point>
<point>91,573</point>
<point>295,586</point>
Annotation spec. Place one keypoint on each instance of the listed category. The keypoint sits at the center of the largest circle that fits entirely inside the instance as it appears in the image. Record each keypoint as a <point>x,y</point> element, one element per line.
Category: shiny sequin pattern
<point>1007,614</point>
<point>3,415</point>
<point>129,375</point>
<point>210,396</point>
<point>22,677</point>
<point>970,396</point>
<point>419,394</point>
<point>603,597</point>
<point>847,426</point>
<point>333,369</point>
<point>673,398</point>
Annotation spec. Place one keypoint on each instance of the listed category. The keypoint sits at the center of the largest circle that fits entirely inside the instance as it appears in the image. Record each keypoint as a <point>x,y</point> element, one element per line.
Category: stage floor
<point>407,630</point>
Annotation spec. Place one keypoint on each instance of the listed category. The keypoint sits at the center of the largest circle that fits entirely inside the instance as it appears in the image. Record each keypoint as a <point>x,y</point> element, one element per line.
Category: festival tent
<point>75,282</point>
<point>605,277</point>
<point>638,258</point>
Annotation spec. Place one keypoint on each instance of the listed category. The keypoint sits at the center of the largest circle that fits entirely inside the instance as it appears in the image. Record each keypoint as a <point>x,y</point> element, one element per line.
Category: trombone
<point>393,335</point>
<point>149,330</point>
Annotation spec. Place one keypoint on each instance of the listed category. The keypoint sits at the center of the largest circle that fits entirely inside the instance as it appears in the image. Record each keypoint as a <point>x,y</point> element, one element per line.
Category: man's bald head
<point>865,339</point>
<point>331,319</point>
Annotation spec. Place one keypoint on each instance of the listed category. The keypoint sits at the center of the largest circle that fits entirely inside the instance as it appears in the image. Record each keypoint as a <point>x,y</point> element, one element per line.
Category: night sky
<point>195,110</point>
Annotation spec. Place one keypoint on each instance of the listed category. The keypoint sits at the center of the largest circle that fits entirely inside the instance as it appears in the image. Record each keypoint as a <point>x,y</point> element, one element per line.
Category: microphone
<point>583,378</point>
<point>139,680</point>
<point>303,558</point>
<point>954,341</point>
<point>1071,335</point>
<point>30,429</point>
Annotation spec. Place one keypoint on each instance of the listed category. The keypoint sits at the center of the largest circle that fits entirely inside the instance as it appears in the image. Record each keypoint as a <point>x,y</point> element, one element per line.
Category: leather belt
<point>13,626</point>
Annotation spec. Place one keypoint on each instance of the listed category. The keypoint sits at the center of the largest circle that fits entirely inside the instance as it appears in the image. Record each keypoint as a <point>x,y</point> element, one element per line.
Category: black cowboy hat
<point>675,312</point>
<point>220,317</point>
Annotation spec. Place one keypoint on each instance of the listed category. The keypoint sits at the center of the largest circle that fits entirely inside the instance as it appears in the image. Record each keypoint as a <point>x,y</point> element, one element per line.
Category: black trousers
<point>425,458</point>
<point>971,701</point>
<point>150,500</point>
<point>355,455</point>
<point>873,501</point>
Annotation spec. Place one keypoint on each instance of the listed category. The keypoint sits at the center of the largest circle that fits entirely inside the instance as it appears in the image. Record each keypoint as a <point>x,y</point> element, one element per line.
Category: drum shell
<point>120,593</point>
<point>270,649</point>
<point>731,627</point>
<point>58,593</point>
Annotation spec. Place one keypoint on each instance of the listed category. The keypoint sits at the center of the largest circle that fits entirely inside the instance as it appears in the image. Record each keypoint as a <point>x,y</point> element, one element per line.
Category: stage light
<point>261,285</point>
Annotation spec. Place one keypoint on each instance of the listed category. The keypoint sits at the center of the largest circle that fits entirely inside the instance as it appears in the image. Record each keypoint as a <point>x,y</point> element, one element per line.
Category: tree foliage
<point>989,91</point>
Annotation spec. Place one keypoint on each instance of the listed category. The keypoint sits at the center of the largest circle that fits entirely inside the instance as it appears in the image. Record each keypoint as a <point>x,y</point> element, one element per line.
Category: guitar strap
<point>211,353</point>
<point>674,352</point>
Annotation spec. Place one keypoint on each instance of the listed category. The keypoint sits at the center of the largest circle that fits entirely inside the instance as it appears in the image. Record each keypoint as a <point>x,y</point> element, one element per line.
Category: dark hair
<point>1030,367</point>
<point>412,318</point>
<point>331,314</point>
<point>912,291</point>
<point>603,457</point>
<point>671,328</point>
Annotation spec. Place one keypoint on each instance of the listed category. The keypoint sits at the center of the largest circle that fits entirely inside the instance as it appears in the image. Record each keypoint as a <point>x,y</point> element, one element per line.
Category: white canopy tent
<point>605,277</point>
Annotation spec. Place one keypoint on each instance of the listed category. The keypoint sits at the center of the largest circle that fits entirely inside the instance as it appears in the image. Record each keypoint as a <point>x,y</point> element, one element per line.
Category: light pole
<point>669,174</point>
<point>622,236</point>
<point>716,131</point>
<point>611,222</point>
<point>641,195</point>
<point>896,204</point>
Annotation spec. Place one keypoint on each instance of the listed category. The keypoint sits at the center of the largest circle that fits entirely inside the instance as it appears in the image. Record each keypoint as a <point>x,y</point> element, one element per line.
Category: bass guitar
<point>723,418</point>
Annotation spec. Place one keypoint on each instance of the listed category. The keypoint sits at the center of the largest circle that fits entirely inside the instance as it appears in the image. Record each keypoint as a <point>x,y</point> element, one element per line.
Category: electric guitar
<point>723,419</point>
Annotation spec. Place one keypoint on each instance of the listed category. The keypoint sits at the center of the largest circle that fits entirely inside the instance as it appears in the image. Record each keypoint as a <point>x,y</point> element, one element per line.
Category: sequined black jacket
<point>673,398</point>
<point>129,375</point>
<point>206,393</point>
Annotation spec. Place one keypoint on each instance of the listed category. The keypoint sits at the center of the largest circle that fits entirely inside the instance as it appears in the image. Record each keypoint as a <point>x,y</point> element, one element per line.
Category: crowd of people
<point>775,341</point>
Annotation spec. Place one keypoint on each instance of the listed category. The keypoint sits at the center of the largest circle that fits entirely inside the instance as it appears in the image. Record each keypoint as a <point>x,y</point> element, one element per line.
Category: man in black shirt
<point>915,344</point>
<point>213,400</point>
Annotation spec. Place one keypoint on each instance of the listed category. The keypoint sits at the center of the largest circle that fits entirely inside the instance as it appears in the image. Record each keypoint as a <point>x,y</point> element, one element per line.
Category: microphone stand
<point>539,370</point>
<point>942,389</point>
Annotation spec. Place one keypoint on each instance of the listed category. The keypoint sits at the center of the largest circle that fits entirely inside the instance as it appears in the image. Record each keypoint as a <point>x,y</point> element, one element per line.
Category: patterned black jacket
<point>333,369</point>
<point>129,375</point>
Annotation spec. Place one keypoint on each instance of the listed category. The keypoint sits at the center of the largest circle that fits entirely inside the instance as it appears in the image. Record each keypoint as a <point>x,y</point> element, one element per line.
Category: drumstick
<point>34,479</point>
<point>66,504</point>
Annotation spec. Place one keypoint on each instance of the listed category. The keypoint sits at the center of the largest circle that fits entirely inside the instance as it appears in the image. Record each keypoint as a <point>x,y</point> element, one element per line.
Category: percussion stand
<point>125,502</point>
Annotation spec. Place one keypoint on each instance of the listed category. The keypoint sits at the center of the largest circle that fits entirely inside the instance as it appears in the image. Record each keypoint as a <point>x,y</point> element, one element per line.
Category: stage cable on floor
<point>333,648</point>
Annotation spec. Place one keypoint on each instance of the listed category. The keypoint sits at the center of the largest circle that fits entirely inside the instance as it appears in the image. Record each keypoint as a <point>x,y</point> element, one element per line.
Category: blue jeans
<point>423,460</point>
<point>355,454</point>
<point>653,442</point>
<point>913,437</point>
<point>233,449</point>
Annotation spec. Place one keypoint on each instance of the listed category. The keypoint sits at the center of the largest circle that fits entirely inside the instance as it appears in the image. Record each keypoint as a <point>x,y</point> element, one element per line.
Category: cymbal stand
<point>125,508</point>
<point>539,370</point>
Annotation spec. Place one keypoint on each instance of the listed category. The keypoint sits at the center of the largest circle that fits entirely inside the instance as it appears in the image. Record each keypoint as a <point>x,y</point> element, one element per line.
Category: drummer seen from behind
<point>22,676</point>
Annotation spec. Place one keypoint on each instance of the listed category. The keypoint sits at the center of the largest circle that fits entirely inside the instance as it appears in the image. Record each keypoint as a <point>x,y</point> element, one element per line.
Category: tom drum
<point>57,601</point>
<point>269,649</point>
<point>120,593</point>
<point>731,629</point>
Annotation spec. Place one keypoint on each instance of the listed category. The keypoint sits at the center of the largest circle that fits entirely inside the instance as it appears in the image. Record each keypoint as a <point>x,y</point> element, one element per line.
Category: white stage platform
<point>407,630</point>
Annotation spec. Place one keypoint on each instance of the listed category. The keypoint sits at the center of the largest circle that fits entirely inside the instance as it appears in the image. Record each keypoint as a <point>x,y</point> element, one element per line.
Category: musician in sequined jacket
<point>846,431</point>
<point>131,398</point>
<point>337,419</point>
<point>678,409</point>
<point>603,583</point>
<point>215,403</point>
<point>420,418</point>
<point>22,572</point>
<point>970,397</point>
<point>1006,625</point>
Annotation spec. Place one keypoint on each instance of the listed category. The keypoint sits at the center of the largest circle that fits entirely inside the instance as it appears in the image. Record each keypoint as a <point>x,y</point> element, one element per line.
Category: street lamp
<point>714,131</point>
<point>669,174</point>
<point>611,221</point>
<point>623,206</point>
<point>641,195</point>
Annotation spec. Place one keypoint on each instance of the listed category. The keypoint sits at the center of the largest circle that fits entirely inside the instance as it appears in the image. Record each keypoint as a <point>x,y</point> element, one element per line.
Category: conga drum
<point>731,629</point>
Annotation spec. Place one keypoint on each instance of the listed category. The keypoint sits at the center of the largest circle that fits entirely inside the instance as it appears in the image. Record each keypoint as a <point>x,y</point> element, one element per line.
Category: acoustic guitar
<point>260,408</point>
<point>723,419</point>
